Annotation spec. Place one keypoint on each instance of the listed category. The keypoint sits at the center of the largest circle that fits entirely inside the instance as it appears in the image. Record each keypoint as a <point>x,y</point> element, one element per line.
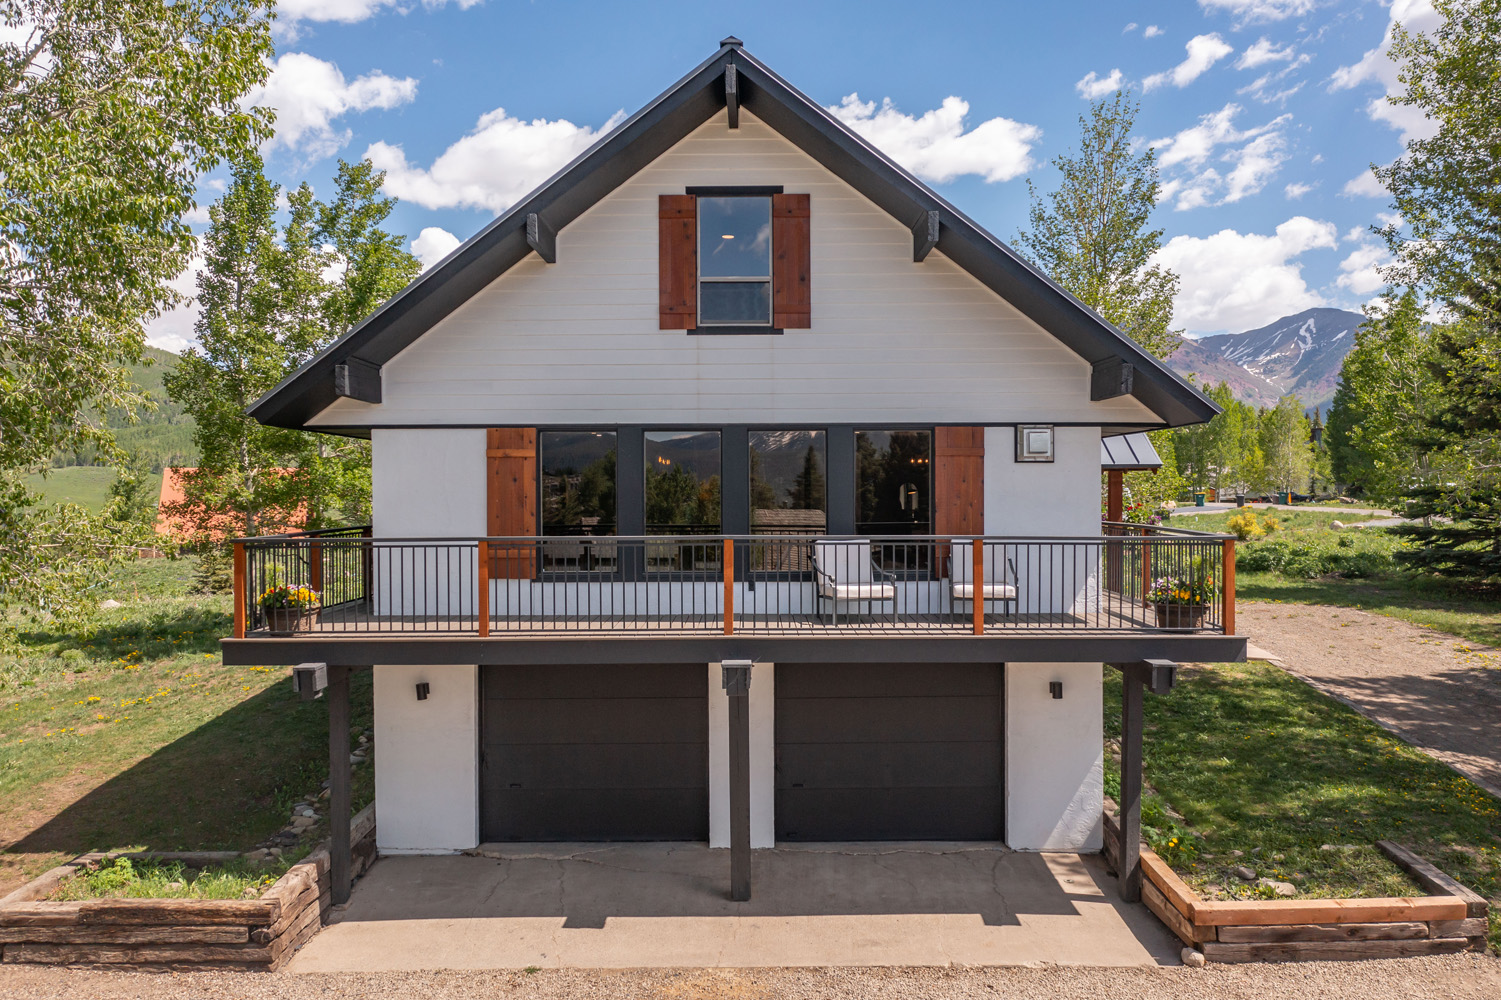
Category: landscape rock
<point>1237,854</point>
<point>1280,888</point>
<point>1337,525</point>
<point>110,604</point>
<point>1193,958</point>
<point>303,822</point>
<point>1243,873</point>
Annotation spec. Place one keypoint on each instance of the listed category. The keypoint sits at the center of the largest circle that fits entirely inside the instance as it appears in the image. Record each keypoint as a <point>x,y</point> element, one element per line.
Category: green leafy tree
<point>1447,190</point>
<point>1224,453</point>
<point>808,491</point>
<point>1385,390</point>
<point>272,295</point>
<point>110,111</point>
<point>1091,235</point>
<point>1284,433</point>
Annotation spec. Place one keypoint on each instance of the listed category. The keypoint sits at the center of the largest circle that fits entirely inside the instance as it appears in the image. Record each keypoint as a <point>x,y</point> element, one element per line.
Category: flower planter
<point>1180,615</point>
<point>286,621</point>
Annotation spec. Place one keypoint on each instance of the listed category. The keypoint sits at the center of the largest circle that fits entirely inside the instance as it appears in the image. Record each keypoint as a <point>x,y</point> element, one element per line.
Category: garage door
<point>594,753</point>
<point>888,752</point>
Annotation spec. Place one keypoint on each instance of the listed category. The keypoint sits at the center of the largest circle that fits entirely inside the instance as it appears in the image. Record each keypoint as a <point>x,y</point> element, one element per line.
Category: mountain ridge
<point>1300,354</point>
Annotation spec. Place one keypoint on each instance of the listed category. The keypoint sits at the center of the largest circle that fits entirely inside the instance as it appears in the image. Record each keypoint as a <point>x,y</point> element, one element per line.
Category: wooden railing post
<point>241,597</point>
<point>729,587</point>
<point>482,604</point>
<point>1227,616</point>
<point>977,579</point>
<point>315,567</point>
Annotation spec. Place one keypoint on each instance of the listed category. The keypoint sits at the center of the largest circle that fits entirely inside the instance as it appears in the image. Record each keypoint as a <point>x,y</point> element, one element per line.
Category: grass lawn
<point>131,734</point>
<point>1258,762</point>
<point>1296,521</point>
<point>86,485</point>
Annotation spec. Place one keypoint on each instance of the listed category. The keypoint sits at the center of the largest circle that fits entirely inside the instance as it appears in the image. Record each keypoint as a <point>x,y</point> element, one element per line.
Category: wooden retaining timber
<point>1453,919</point>
<point>245,934</point>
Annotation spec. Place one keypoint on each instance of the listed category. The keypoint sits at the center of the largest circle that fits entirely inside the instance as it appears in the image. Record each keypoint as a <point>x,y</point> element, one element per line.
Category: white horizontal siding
<point>892,340</point>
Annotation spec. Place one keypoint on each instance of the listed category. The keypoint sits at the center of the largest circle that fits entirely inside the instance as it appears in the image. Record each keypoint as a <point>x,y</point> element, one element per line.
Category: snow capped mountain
<point>1299,354</point>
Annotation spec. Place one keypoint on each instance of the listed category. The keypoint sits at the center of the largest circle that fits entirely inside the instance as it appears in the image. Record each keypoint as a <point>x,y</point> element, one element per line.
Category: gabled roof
<point>1128,453</point>
<point>649,133</point>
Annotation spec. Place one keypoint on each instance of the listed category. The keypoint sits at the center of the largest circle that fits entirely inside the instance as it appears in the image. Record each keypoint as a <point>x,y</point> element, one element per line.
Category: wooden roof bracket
<point>542,237</point>
<point>732,94</point>
<point>924,235</point>
<point>357,379</point>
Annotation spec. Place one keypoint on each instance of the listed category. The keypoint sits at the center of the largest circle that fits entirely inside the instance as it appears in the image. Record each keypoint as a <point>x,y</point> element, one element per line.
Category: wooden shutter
<point>677,254</point>
<point>791,262</point>
<point>511,498</point>
<point>959,480</point>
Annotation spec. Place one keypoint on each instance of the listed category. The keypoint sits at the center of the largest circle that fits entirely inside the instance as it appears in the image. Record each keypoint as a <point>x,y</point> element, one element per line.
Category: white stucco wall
<point>428,483</point>
<point>426,759</point>
<point>1054,749</point>
<point>762,757</point>
<point>1054,757</point>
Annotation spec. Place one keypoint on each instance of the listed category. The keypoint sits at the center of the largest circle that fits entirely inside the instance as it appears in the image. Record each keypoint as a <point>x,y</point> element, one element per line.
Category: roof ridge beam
<point>732,94</point>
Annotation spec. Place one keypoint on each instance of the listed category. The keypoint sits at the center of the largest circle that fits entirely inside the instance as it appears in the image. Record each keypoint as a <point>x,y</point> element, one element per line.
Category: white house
<point>734,388</point>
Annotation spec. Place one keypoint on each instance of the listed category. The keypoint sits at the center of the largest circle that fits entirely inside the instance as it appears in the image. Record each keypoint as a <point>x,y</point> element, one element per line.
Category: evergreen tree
<point>1091,235</point>
<point>808,490</point>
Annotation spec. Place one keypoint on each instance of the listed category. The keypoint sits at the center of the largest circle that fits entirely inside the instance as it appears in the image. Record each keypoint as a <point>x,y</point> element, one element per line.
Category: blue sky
<point>1266,114</point>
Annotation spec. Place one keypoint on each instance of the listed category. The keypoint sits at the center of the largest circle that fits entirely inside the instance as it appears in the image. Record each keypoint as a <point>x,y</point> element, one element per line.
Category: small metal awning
<point>1128,453</point>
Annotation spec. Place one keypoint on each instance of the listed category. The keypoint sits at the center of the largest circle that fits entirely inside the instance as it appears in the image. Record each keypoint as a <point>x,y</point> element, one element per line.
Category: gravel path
<point>1436,691</point>
<point>1456,977</point>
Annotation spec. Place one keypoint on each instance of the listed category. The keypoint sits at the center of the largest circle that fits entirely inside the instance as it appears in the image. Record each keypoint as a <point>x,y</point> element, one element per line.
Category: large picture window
<point>789,492</point>
<point>893,472</point>
<point>578,497</point>
<point>734,261</point>
<point>682,482</point>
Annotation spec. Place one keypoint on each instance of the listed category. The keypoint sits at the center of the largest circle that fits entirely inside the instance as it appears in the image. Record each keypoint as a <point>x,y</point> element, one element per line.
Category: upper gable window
<point>734,261</point>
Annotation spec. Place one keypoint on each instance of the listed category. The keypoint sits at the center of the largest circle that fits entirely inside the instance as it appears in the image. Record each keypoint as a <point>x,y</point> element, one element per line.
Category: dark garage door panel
<point>595,752</point>
<point>889,752</point>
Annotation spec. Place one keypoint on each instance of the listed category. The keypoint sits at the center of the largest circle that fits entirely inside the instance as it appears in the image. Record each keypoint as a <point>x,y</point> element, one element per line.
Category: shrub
<point>1310,559</point>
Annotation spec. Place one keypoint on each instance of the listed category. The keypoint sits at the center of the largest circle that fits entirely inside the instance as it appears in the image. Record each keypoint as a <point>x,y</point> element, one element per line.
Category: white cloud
<point>1360,272</point>
<point>1203,52</point>
<point>1364,185</point>
<point>1238,281</point>
<point>433,244</point>
<point>1129,28</point>
<point>1254,156</point>
<point>1377,65</point>
<point>1262,51</point>
<point>291,13</point>
<point>197,215</point>
<point>936,146</point>
<point>1248,11</point>
<point>1151,31</point>
<point>1296,191</point>
<point>1255,164</point>
<point>491,168</point>
<point>308,94</point>
<point>173,329</point>
<point>1093,85</point>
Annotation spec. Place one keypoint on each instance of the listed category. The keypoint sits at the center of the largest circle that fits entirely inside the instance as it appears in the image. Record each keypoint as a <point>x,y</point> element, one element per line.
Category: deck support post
<point>1227,614</point>
<point>339,793</point>
<point>1132,683</point>
<point>241,597</point>
<point>1115,509</point>
<point>737,678</point>
<point>1158,676</point>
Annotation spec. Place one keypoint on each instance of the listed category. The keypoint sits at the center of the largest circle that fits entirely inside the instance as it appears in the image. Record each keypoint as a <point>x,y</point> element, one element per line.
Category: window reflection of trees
<point>892,493</point>
<point>578,499</point>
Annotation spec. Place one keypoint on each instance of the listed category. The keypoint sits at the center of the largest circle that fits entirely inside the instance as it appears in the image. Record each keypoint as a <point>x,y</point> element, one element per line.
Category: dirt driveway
<point>1438,692</point>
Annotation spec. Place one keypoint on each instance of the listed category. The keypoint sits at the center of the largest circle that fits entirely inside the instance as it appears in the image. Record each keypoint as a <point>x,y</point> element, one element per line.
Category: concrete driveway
<point>666,905</point>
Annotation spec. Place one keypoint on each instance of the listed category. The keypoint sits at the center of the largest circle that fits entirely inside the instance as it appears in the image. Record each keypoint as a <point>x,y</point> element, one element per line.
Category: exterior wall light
<point>422,691</point>
<point>1055,688</point>
<point>1034,443</point>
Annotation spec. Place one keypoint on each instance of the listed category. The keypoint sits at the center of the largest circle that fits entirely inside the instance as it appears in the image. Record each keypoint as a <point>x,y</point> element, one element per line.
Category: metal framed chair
<point>995,585</point>
<point>845,571</point>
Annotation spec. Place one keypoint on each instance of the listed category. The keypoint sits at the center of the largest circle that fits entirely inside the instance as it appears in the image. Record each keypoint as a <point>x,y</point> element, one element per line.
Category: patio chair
<point>994,585</point>
<point>845,571</point>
